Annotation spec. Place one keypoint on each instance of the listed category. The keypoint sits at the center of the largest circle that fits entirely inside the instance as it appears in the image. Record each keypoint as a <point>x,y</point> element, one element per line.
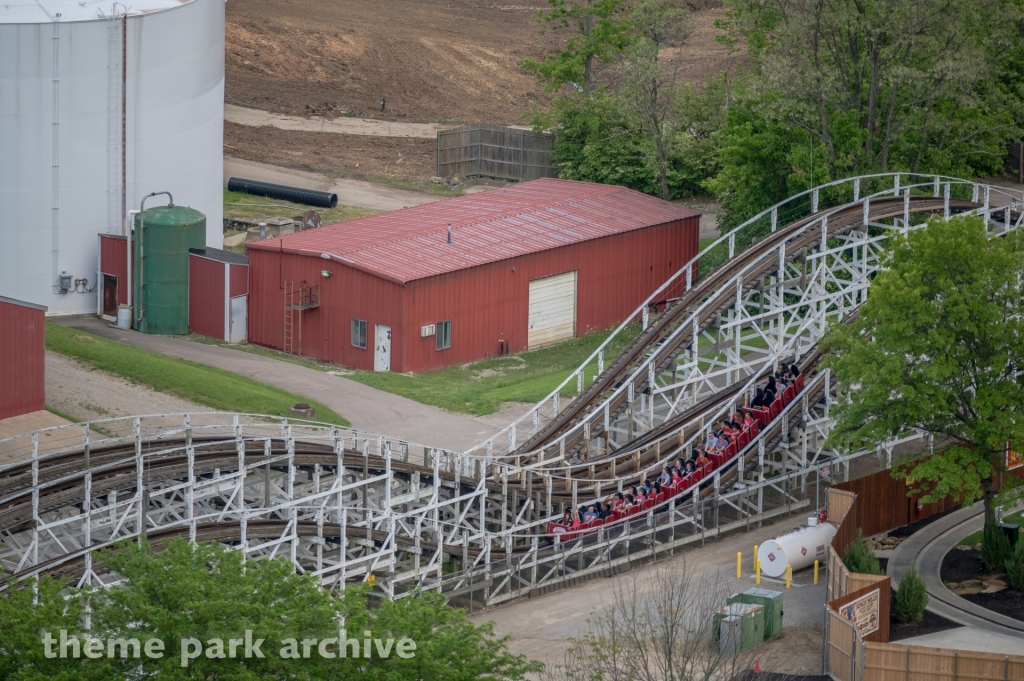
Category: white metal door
<point>552,315</point>
<point>382,349</point>
<point>239,314</point>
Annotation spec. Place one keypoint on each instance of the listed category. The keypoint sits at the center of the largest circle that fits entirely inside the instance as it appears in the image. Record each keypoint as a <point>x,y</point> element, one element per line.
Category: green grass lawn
<point>239,205</point>
<point>1014,519</point>
<point>199,383</point>
<point>481,387</point>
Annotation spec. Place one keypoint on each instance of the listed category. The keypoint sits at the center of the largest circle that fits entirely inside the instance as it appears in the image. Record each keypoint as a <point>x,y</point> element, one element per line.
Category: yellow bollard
<point>739,564</point>
<point>755,554</point>
<point>815,572</point>
<point>757,571</point>
<point>789,575</point>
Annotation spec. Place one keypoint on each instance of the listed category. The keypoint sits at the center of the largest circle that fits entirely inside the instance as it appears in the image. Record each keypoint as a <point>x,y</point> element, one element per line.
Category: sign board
<point>863,613</point>
<point>1013,459</point>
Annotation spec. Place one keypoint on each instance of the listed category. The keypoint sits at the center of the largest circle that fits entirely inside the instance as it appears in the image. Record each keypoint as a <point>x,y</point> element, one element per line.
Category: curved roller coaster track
<point>345,504</point>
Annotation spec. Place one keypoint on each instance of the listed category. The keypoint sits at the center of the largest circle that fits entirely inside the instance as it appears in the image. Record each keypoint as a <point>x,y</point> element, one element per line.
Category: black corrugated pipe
<point>308,197</point>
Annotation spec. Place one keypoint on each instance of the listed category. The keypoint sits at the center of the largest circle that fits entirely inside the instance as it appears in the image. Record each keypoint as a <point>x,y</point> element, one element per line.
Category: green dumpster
<point>771,601</point>
<point>751,623</point>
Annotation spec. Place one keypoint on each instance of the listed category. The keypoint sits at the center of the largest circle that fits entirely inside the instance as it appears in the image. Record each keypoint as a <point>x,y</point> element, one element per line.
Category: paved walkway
<point>344,126</point>
<point>367,408</point>
<point>541,626</point>
<point>926,549</point>
<point>372,195</point>
<point>967,638</point>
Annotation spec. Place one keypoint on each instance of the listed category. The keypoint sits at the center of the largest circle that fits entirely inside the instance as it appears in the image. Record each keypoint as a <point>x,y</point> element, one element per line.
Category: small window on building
<point>443,337</point>
<point>359,333</point>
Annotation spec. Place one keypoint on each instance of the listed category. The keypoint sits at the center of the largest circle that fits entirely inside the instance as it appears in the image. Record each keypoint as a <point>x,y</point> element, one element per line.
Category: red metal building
<point>114,280</point>
<point>460,279</point>
<point>22,357</point>
<point>218,287</point>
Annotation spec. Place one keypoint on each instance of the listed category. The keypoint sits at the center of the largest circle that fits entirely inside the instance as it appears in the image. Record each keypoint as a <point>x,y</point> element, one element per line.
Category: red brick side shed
<point>525,265</point>
<point>22,357</point>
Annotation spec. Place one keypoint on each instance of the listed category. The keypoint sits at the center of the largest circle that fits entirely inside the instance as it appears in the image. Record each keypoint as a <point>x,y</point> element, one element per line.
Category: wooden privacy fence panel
<point>890,504</point>
<point>860,581</point>
<point>867,585</point>
<point>838,576</point>
<point>841,648</point>
<point>894,662</point>
<point>496,152</point>
<point>842,512</point>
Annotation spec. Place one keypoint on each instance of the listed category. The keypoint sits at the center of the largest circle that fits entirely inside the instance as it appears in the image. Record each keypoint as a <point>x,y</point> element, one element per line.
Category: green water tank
<point>163,236</point>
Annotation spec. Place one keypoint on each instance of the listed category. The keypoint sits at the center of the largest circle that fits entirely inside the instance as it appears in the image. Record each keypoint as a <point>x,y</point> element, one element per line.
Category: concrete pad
<point>967,638</point>
<point>20,449</point>
<point>371,195</point>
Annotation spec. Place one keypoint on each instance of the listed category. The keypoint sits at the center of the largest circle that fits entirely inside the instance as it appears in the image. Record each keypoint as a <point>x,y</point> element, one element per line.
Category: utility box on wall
<point>218,294</point>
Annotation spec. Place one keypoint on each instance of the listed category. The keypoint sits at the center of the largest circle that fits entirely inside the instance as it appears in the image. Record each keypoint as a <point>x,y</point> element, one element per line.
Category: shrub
<point>1015,567</point>
<point>858,557</point>
<point>911,597</point>
<point>995,548</point>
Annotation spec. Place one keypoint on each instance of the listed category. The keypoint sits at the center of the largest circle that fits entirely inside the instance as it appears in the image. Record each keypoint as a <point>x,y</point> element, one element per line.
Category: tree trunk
<point>989,499</point>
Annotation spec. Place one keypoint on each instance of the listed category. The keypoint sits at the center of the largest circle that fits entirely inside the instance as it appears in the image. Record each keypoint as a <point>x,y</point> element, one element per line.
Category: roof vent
<point>449,232</point>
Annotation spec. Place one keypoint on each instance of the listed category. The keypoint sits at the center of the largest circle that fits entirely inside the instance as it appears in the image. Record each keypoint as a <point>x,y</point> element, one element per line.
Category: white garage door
<point>552,309</point>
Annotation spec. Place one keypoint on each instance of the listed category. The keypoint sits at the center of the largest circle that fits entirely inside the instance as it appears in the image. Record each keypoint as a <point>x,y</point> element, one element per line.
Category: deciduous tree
<point>209,591</point>
<point>939,346</point>
<point>598,31</point>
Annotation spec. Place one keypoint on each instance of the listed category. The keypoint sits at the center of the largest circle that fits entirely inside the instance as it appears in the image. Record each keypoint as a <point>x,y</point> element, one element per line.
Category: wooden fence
<point>895,662</point>
<point>891,505</point>
<point>476,151</point>
<point>863,585</point>
<point>842,648</point>
<point>848,657</point>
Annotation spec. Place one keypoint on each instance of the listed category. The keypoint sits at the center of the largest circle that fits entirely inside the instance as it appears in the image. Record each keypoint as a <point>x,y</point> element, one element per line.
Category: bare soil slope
<point>440,60</point>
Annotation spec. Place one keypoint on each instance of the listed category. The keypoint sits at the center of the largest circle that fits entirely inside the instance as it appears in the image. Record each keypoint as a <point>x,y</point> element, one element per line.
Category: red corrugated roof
<point>411,243</point>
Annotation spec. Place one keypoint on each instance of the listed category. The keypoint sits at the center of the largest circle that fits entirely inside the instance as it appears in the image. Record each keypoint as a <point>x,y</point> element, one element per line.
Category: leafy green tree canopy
<point>938,346</point>
<point>599,30</point>
<point>208,591</point>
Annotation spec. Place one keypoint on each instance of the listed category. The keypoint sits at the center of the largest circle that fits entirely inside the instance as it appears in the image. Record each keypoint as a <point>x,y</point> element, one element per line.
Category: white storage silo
<point>70,163</point>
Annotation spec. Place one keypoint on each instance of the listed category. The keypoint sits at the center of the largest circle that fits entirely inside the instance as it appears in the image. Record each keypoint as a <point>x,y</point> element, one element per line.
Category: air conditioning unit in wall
<point>427,331</point>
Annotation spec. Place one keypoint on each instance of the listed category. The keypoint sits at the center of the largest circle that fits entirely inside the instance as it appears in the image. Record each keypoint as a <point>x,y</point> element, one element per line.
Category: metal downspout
<point>142,250</point>
<point>55,165</point>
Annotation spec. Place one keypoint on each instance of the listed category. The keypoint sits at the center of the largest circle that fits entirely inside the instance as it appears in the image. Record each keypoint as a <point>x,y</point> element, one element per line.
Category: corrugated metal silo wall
<point>205,296</point>
<point>490,302</point>
<point>23,368</point>
<point>326,331</point>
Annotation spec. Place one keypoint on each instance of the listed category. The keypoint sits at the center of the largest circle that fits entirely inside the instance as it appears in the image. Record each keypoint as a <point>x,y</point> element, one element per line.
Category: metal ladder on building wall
<point>114,151</point>
<point>297,299</point>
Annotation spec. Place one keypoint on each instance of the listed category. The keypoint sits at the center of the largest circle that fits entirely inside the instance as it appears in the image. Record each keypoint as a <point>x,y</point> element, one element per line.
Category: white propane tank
<point>799,548</point>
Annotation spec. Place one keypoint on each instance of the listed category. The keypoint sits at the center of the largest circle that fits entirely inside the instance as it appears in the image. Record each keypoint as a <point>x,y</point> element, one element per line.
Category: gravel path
<point>84,393</point>
<point>372,195</point>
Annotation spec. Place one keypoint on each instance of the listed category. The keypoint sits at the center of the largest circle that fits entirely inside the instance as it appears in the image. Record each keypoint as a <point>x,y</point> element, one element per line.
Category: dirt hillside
<point>431,60</point>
